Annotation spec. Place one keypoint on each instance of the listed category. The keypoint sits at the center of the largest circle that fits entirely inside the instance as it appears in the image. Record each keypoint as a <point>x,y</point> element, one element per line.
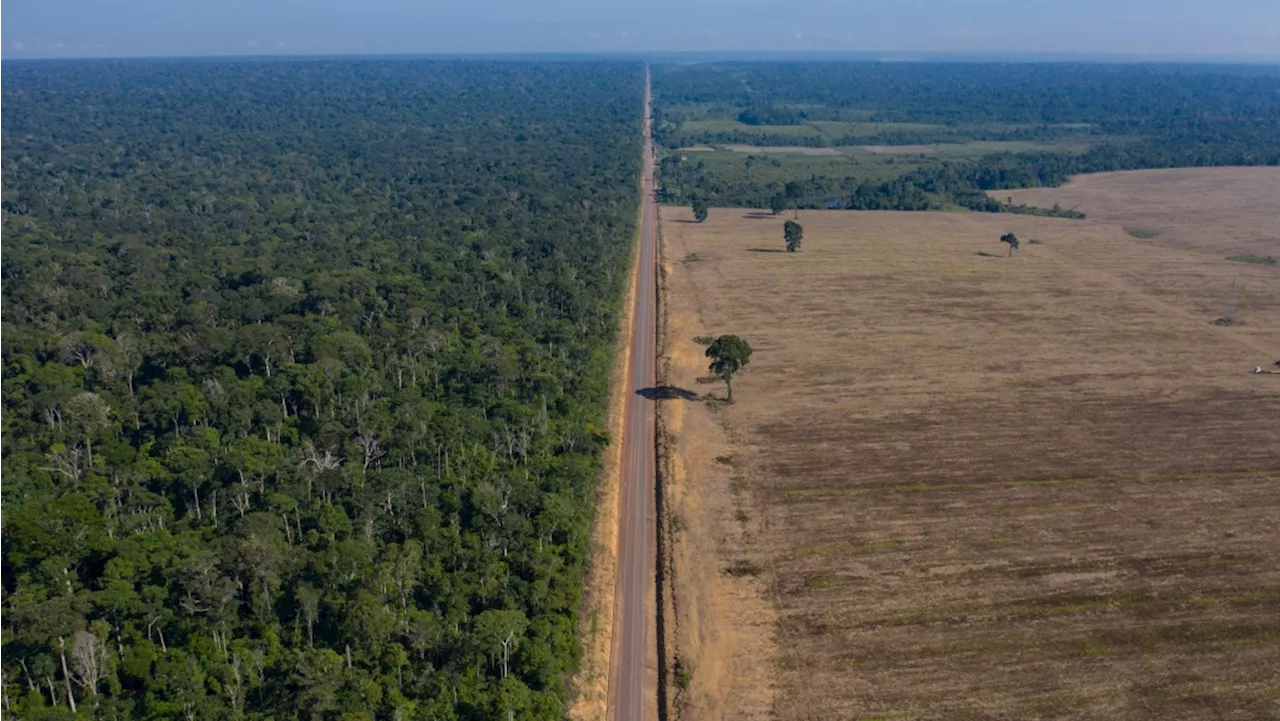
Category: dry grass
<point>1044,487</point>
<point>1223,211</point>
<point>723,627</point>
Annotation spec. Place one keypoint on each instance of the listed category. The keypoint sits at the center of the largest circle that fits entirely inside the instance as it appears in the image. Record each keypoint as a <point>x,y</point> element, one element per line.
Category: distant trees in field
<point>699,208</point>
<point>1011,240</point>
<point>777,203</point>
<point>793,233</point>
<point>729,354</point>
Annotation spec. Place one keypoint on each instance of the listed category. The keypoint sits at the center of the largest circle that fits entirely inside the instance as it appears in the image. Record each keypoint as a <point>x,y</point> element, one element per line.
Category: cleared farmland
<point>1223,211</point>
<point>957,485</point>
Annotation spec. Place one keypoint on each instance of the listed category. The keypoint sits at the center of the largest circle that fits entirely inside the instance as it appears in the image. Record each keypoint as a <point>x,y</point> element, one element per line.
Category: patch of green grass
<point>690,258</point>
<point>1140,233</point>
<point>978,148</point>
<point>724,460</point>
<point>915,488</point>
<point>802,492</point>
<point>836,129</point>
<point>822,550</point>
<point>820,581</point>
<point>1258,259</point>
<point>683,677</point>
<point>1093,647</point>
<point>763,168</point>
<point>715,403</point>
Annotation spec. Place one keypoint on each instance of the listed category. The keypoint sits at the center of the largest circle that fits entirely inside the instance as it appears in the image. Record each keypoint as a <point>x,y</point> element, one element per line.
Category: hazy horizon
<point>1240,30</point>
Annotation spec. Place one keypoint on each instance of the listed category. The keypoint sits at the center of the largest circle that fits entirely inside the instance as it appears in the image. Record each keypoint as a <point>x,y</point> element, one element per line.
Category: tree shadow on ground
<point>765,250</point>
<point>667,393</point>
<point>687,222</point>
<point>759,216</point>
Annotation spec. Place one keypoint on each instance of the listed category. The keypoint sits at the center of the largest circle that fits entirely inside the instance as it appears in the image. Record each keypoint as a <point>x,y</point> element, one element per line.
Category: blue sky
<point>80,28</point>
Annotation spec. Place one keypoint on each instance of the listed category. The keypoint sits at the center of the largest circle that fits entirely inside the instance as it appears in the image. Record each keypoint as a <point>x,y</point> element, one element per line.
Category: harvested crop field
<point>968,486</point>
<point>1223,211</point>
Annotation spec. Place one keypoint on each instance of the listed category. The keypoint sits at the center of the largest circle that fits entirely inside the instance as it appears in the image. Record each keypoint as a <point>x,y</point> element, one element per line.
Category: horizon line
<point>1016,57</point>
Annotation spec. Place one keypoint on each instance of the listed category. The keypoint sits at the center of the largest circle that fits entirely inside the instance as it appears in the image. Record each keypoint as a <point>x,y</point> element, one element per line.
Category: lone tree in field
<point>729,354</point>
<point>794,235</point>
<point>1012,240</point>
<point>699,209</point>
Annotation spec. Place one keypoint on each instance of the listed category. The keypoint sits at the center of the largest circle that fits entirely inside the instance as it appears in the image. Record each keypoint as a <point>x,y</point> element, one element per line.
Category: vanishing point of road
<point>633,675</point>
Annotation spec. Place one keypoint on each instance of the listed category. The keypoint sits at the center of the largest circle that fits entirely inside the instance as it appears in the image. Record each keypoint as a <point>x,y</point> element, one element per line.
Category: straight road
<point>632,683</point>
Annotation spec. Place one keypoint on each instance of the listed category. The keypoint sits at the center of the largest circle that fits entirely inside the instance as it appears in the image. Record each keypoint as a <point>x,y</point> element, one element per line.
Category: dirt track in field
<point>962,486</point>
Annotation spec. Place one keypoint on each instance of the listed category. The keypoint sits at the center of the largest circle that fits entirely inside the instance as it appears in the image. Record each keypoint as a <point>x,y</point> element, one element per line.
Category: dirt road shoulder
<point>722,628</point>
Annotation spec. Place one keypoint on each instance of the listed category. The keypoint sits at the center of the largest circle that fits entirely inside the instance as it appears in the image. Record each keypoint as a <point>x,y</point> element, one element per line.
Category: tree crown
<point>728,354</point>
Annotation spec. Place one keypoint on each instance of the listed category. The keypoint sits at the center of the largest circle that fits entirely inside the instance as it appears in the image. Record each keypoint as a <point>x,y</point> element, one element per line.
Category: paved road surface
<point>631,678</point>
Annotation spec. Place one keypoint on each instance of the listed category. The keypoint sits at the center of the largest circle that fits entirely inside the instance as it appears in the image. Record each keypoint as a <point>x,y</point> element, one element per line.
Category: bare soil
<point>957,485</point>
<point>1223,211</point>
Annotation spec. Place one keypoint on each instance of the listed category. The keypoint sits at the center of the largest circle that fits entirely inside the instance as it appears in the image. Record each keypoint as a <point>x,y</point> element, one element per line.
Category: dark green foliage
<point>729,354</point>
<point>1258,259</point>
<point>771,115</point>
<point>793,234</point>
<point>1011,240</point>
<point>699,208</point>
<point>777,203</point>
<point>953,94</point>
<point>304,364</point>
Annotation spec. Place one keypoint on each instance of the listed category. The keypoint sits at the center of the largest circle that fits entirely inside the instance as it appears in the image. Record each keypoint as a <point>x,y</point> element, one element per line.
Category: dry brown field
<point>957,485</point>
<point>1223,211</point>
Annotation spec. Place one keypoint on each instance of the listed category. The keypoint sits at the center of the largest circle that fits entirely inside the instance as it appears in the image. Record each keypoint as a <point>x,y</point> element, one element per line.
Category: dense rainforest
<point>1122,117</point>
<point>304,366</point>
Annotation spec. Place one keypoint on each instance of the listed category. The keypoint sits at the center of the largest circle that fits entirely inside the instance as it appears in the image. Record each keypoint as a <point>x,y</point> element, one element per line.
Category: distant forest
<point>304,368</point>
<point>1132,117</point>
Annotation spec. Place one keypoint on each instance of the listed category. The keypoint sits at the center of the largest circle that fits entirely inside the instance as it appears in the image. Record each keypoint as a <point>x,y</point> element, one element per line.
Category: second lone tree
<point>794,235</point>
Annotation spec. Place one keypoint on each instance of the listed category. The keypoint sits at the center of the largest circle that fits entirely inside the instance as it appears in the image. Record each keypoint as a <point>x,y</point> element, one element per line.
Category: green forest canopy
<point>1123,117</point>
<point>304,369</point>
